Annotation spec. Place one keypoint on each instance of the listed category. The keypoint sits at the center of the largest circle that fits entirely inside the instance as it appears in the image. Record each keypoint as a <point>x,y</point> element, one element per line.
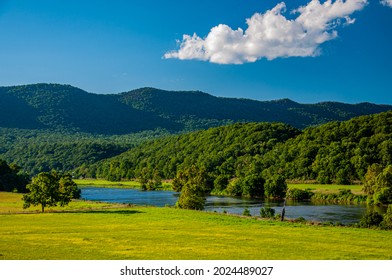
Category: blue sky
<point>115,46</point>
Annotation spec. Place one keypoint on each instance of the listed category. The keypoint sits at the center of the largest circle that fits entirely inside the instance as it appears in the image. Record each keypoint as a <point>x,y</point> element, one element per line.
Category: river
<point>345,214</point>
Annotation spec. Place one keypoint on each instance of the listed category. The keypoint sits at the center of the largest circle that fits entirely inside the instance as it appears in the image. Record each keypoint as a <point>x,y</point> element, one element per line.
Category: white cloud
<point>271,35</point>
<point>387,3</point>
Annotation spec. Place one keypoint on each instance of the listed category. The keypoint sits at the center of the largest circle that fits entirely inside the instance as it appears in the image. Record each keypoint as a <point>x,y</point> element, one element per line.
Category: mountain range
<point>64,107</point>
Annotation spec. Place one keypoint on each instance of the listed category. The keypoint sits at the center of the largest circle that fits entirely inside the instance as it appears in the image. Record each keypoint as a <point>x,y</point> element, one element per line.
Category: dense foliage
<point>229,154</point>
<point>199,110</point>
<point>338,152</point>
<point>54,107</point>
<point>378,184</point>
<point>194,185</point>
<point>49,189</point>
<point>38,151</point>
<point>11,178</point>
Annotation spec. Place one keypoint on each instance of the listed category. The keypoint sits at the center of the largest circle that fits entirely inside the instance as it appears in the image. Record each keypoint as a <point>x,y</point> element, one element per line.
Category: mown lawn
<point>165,233</point>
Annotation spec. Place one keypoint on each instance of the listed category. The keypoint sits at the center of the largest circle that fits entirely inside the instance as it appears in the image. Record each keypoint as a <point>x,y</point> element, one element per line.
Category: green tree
<point>191,197</point>
<point>371,175</point>
<point>67,189</point>
<point>49,189</point>
<point>11,178</point>
<point>143,178</point>
<point>194,185</point>
<point>252,186</point>
<point>387,221</point>
<point>378,184</point>
<point>275,187</point>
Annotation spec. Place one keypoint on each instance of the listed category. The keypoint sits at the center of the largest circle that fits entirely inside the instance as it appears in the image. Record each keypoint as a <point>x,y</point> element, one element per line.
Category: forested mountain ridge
<point>188,107</point>
<point>63,107</point>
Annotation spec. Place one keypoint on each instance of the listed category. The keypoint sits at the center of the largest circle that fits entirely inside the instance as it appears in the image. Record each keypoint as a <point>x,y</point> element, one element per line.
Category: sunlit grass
<point>167,233</point>
<point>131,184</point>
<point>105,183</point>
<point>327,189</point>
<point>13,203</point>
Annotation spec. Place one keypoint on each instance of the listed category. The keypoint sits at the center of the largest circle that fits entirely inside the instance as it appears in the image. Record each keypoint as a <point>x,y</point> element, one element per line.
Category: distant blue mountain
<point>54,106</point>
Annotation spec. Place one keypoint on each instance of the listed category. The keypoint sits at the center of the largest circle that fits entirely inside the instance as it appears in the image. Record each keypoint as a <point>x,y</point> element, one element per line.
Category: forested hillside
<point>69,109</point>
<point>225,149</point>
<point>198,110</point>
<point>42,151</point>
<point>62,107</point>
<point>339,152</point>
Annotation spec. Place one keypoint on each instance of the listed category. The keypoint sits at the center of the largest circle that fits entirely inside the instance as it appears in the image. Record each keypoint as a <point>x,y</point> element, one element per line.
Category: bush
<point>344,196</point>
<point>371,219</point>
<point>267,212</point>
<point>300,220</point>
<point>297,194</point>
<point>246,212</point>
<point>387,221</point>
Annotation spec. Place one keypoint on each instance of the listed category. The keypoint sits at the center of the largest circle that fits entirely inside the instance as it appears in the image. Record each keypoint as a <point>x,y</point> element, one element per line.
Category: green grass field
<point>93,231</point>
<point>326,189</point>
<point>109,184</point>
<point>105,183</point>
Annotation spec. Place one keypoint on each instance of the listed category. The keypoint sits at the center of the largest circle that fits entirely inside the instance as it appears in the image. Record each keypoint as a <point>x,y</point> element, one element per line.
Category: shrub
<point>300,220</point>
<point>267,212</point>
<point>297,194</point>
<point>387,221</point>
<point>371,219</point>
<point>246,212</point>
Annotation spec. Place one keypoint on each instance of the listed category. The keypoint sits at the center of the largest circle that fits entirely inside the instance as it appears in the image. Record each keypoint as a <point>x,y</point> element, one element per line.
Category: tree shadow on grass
<point>119,211</point>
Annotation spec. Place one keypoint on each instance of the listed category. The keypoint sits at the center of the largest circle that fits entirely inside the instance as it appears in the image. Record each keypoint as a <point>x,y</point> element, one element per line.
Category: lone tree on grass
<point>49,189</point>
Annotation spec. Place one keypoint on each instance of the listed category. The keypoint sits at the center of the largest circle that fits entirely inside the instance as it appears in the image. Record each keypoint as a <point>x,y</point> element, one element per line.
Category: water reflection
<point>346,214</point>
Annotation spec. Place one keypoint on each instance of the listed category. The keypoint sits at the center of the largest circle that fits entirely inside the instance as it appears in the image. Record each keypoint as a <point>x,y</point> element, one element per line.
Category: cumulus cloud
<point>271,35</point>
<point>387,3</point>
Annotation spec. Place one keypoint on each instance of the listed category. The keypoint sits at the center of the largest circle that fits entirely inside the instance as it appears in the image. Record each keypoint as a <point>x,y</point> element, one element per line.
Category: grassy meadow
<point>87,230</point>
<point>121,185</point>
<point>327,189</point>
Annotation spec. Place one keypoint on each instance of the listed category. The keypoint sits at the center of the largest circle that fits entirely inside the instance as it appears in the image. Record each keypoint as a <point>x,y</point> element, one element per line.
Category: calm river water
<point>346,214</point>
